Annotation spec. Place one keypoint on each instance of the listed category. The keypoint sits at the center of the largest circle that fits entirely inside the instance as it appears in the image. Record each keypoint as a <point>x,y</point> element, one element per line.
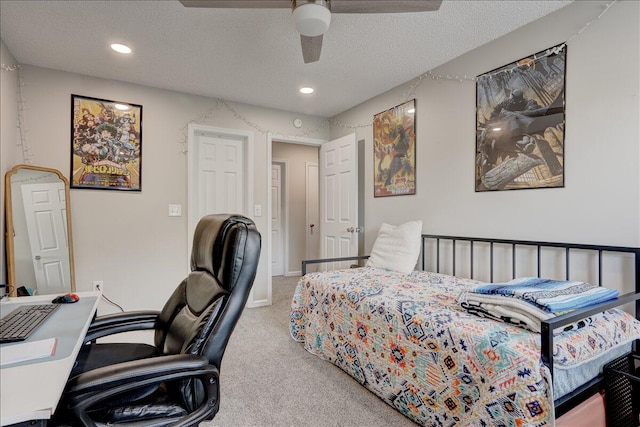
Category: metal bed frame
<point>576,397</point>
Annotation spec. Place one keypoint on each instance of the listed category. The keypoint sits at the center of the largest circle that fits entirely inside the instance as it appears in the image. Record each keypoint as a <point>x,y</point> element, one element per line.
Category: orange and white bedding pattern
<point>406,339</point>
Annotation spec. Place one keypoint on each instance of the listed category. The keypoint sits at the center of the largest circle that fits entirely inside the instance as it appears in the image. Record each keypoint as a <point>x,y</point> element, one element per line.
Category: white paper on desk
<point>27,351</point>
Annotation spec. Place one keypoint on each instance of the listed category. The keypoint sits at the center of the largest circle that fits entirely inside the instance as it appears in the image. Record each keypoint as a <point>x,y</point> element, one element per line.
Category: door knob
<point>38,257</point>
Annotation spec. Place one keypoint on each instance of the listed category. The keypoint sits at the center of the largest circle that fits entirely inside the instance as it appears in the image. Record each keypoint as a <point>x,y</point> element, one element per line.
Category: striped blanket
<point>529,300</point>
<point>552,296</point>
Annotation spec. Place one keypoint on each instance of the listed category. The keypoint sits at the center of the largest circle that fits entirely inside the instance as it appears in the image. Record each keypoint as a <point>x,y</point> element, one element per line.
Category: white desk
<point>31,390</point>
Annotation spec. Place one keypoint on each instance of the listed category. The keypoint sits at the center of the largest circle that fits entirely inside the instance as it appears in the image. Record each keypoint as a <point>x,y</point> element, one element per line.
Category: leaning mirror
<point>38,227</point>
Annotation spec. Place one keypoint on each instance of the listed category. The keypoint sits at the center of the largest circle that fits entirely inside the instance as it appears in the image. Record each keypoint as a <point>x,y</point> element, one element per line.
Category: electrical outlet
<point>98,285</point>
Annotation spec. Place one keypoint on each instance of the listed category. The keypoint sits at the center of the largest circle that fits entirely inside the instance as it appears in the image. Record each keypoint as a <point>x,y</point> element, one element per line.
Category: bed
<point>406,338</point>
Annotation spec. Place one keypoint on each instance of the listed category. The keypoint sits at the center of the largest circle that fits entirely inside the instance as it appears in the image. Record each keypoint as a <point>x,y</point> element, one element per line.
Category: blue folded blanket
<point>552,296</point>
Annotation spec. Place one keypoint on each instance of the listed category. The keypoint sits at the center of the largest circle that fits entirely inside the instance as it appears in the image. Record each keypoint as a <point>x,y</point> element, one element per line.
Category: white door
<point>277,235</point>
<point>339,199</point>
<point>46,212</point>
<point>220,175</point>
<point>220,180</point>
<point>312,214</point>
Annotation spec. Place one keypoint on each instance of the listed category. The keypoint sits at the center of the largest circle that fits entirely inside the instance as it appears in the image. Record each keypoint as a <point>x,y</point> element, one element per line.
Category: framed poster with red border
<point>394,151</point>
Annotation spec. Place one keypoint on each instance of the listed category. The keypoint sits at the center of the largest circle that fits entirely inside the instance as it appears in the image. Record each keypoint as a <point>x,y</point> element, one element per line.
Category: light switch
<point>175,210</point>
<point>257,210</point>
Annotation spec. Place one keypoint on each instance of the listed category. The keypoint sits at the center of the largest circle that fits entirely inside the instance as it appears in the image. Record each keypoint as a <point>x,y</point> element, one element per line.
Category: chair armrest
<point>139,373</point>
<point>92,387</point>
<point>121,322</point>
<point>322,260</point>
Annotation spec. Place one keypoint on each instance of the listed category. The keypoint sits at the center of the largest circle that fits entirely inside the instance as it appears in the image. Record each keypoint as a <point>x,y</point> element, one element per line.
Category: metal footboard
<point>547,327</point>
<point>320,261</point>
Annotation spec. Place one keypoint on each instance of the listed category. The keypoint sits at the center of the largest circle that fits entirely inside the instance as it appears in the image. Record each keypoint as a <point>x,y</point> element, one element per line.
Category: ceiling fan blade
<point>384,6</point>
<point>238,4</point>
<point>311,47</point>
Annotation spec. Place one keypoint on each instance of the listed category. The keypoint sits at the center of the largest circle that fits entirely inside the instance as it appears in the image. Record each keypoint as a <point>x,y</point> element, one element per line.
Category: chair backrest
<point>203,311</point>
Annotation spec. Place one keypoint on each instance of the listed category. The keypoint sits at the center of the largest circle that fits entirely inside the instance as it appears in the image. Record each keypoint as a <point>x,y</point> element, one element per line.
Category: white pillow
<point>397,247</point>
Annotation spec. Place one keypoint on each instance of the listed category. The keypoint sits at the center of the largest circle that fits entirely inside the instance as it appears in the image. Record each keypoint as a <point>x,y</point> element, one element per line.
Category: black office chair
<point>175,382</point>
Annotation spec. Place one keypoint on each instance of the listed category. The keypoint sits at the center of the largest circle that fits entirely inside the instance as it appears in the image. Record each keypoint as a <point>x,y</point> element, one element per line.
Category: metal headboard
<point>600,249</point>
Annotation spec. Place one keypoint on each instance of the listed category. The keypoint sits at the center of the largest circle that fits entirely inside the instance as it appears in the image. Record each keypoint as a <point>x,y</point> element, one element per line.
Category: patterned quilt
<point>405,338</point>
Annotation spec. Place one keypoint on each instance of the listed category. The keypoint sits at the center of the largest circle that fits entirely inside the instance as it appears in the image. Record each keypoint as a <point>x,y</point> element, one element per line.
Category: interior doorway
<point>292,140</point>
<point>294,192</point>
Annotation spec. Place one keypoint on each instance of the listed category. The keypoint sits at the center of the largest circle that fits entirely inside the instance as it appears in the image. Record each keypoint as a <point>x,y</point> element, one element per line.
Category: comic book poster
<point>520,123</point>
<point>394,151</point>
<point>106,144</point>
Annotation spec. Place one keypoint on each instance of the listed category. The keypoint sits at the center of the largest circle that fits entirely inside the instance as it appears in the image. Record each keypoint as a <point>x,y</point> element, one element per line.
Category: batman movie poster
<point>106,144</point>
<point>394,151</point>
<point>520,111</point>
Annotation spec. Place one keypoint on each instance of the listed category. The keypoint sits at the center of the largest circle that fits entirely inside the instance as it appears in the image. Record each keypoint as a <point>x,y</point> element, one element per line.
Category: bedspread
<point>405,338</point>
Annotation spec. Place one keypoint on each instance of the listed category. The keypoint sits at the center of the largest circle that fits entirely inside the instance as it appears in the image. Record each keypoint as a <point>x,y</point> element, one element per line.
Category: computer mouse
<point>66,299</point>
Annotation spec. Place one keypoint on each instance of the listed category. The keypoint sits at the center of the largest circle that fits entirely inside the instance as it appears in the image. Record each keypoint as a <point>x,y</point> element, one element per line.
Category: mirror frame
<point>11,274</point>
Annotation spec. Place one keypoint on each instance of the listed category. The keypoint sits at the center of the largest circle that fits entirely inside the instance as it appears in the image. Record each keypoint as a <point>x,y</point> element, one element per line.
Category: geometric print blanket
<point>406,339</point>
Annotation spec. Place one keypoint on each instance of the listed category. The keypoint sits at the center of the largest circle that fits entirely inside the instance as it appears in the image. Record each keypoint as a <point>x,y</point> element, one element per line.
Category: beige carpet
<point>268,379</point>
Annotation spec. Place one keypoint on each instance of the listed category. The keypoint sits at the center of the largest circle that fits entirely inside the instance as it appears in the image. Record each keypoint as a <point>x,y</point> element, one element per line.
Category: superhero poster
<point>106,144</point>
<point>521,123</point>
<point>394,151</point>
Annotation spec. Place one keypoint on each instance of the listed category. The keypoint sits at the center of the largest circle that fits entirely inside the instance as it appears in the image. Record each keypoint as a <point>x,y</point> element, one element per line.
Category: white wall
<point>127,239</point>
<point>601,199</point>
<point>8,134</point>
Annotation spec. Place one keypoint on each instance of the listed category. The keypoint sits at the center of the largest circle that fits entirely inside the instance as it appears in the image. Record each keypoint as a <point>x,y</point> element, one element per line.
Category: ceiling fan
<point>312,17</point>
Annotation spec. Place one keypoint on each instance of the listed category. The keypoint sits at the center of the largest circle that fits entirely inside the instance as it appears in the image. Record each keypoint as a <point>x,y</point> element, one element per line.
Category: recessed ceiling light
<point>120,48</point>
<point>306,90</point>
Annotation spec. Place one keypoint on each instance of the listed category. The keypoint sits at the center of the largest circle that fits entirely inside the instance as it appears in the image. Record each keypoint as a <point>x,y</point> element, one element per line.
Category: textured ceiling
<point>253,55</point>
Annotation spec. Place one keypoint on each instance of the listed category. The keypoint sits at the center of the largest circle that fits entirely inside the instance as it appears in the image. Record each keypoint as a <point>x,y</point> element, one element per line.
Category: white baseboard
<point>259,303</point>
<point>293,273</point>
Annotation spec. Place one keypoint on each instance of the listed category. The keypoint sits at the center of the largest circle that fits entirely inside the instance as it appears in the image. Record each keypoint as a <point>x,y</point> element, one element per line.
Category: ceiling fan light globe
<point>311,19</point>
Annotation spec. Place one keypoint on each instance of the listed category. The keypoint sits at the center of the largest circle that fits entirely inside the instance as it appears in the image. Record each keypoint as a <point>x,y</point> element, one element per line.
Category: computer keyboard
<point>21,322</point>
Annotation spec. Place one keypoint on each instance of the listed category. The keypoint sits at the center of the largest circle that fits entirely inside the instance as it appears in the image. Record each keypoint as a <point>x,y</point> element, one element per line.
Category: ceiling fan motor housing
<point>312,18</point>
